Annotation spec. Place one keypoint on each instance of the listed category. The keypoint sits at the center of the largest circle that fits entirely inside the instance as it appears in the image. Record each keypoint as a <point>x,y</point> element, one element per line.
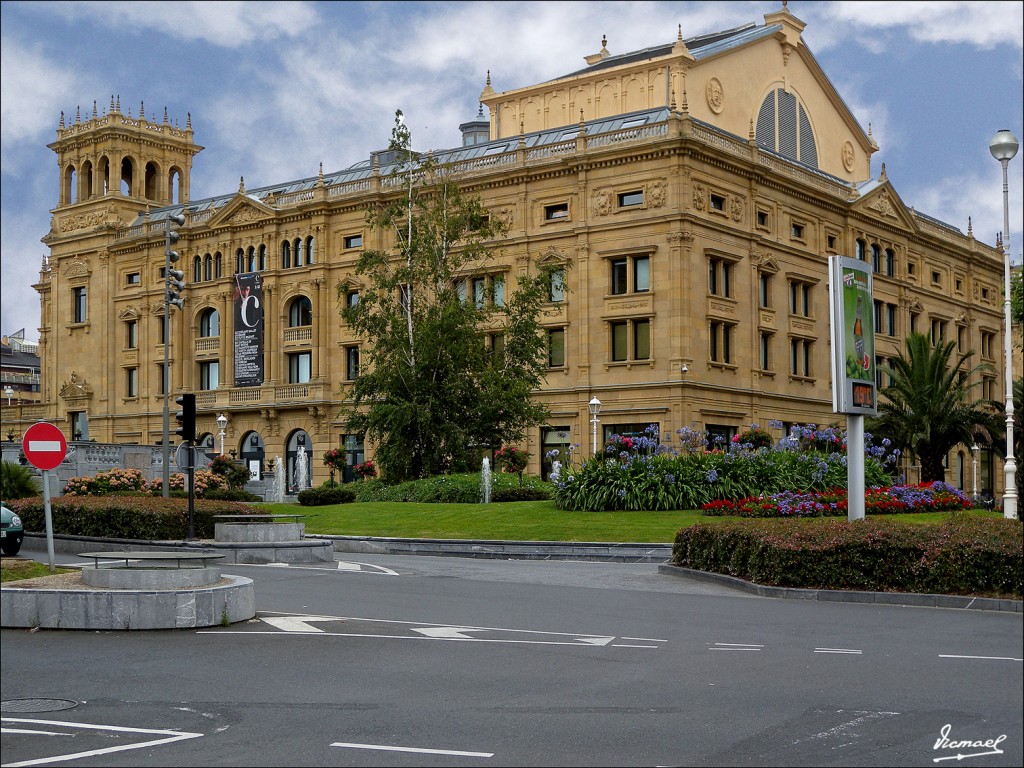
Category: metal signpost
<point>45,448</point>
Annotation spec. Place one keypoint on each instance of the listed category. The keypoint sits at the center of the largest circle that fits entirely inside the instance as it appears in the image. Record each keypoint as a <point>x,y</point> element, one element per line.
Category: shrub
<point>963,556</point>
<point>126,517</point>
<point>316,497</point>
<point>510,459</point>
<point>235,474</point>
<point>204,481</point>
<point>16,482</point>
<point>753,438</point>
<point>365,470</point>
<point>451,489</point>
<point>111,480</point>
<point>526,493</point>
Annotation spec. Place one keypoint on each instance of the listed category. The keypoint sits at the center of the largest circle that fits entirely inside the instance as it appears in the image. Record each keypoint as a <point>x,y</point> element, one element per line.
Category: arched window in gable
<point>218,265</point>
<point>783,126</point>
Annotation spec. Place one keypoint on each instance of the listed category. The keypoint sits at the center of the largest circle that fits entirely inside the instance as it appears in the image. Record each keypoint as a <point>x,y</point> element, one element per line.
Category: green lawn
<point>520,521</point>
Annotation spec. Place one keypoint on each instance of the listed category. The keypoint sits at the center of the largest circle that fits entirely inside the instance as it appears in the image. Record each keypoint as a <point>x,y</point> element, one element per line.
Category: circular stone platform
<point>66,602</point>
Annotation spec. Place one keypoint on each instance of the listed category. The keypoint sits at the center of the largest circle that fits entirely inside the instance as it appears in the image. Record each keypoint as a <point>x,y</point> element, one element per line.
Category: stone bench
<point>269,528</point>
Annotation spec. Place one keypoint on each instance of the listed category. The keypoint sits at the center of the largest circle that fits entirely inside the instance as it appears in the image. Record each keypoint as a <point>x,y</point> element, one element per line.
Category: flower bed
<point>894,500</point>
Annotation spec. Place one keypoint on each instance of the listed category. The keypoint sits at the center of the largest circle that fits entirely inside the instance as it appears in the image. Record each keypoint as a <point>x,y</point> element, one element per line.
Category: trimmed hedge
<point>326,494</point>
<point>962,556</point>
<point>454,489</point>
<point>126,517</point>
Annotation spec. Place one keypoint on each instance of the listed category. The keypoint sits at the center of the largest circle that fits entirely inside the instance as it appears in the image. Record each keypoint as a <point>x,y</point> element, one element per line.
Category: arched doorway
<point>252,454</point>
<point>298,441</point>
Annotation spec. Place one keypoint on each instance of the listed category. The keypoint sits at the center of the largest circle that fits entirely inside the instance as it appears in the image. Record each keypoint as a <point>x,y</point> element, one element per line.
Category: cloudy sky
<point>276,88</point>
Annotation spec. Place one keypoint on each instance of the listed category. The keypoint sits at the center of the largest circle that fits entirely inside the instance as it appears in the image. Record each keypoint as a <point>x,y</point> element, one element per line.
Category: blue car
<point>11,531</point>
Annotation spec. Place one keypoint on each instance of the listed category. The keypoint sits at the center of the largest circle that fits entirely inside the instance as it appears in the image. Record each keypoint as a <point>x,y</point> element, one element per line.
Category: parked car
<point>11,531</point>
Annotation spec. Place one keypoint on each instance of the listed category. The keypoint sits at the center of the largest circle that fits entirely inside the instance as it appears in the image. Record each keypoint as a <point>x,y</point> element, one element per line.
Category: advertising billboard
<point>248,337</point>
<point>851,310</point>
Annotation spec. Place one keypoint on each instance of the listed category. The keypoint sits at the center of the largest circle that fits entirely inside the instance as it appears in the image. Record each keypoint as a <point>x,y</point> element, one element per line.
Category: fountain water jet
<point>301,475</point>
<point>485,481</point>
<point>277,490</point>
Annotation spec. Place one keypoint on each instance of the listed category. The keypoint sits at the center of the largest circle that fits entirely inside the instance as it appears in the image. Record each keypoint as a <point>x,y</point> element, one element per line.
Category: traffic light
<point>175,277</point>
<point>186,417</point>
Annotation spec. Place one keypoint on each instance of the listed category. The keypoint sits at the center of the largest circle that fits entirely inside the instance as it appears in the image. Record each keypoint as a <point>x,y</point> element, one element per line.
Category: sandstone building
<point>693,190</point>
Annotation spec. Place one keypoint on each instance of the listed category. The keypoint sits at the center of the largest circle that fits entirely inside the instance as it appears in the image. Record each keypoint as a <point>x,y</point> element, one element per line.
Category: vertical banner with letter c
<point>248,330</point>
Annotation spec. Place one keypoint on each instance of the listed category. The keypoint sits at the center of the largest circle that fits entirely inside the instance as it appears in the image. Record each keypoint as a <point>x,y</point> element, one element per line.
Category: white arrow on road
<point>297,623</point>
<point>447,633</point>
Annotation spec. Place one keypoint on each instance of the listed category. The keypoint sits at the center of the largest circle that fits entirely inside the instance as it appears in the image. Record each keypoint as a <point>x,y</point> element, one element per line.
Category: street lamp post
<point>974,452</point>
<point>1003,148</point>
<point>595,408</point>
<point>222,423</point>
<point>9,392</point>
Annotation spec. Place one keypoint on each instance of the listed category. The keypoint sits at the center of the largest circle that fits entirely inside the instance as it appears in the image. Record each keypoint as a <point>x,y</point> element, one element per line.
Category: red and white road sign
<point>44,446</point>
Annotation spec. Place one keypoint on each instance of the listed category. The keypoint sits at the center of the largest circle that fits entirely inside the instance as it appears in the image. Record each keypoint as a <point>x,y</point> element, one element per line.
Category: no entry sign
<point>44,446</point>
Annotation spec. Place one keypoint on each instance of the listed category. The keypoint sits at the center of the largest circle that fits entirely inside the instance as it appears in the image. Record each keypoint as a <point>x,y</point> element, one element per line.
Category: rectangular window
<point>132,382</point>
<point>209,375</point>
<point>831,242</point>
<point>134,278</point>
<point>987,339</point>
<point>498,283</point>
<point>620,342</point>
<point>766,351</point>
<point>78,296</point>
<point>556,347</point>
<point>890,262</point>
<point>890,320</point>
<point>496,348</point>
<point>627,199</point>
<point>131,334</point>
<point>717,202</point>
<point>79,425</point>
<point>876,258</point>
<point>720,342</point>
<point>556,212</point>
<point>642,274</point>
<point>642,339</point>
<point>799,298</point>
<point>556,286</point>
<point>961,338</point>
<point>300,367</point>
<point>800,357</point>
<point>938,331</point>
<point>720,435</point>
<point>719,274</point>
<point>762,219</point>
<point>913,321</point>
<point>797,231</point>
<point>879,310</point>
<point>352,298</point>
<point>478,292</point>
<point>765,290</point>
<point>353,241</point>
<point>160,379</point>
<point>165,329</point>
<point>351,363</point>
<point>619,285</point>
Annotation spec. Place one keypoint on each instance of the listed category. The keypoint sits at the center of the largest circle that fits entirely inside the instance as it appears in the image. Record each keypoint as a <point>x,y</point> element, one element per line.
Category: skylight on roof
<point>633,122</point>
<point>496,150</point>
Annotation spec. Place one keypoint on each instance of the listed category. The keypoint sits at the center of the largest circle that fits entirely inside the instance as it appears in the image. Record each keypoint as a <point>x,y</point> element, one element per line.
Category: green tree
<point>430,386</point>
<point>1017,295</point>
<point>927,408</point>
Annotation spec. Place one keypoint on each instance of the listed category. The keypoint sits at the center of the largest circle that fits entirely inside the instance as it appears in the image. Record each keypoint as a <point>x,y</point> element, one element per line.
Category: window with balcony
<point>300,367</point>
<point>300,313</point>
<point>209,375</point>
<point>209,323</point>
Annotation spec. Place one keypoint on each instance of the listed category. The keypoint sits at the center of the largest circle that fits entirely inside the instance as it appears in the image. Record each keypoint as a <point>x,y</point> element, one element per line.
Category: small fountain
<point>485,481</point>
<point>277,490</point>
<point>301,479</point>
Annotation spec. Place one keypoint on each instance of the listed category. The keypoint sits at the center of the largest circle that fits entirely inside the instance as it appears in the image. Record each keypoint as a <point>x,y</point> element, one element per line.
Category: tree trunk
<point>932,469</point>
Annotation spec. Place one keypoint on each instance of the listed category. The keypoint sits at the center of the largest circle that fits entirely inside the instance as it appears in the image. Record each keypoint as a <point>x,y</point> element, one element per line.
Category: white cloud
<point>226,24</point>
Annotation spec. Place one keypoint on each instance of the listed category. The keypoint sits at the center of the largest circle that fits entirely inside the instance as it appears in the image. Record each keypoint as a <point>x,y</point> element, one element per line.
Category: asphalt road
<point>432,661</point>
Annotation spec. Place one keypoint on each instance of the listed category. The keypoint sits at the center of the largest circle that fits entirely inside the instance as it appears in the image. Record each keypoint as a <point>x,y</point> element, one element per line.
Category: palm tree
<point>926,409</point>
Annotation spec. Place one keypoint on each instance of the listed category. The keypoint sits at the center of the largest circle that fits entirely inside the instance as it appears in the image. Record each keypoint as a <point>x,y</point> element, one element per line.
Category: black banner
<point>248,330</point>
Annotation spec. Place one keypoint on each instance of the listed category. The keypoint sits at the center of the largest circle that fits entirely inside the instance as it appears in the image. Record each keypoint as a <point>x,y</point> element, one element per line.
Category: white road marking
<point>447,633</point>
<point>345,566</point>
<point>297,623</point>
<point>421,750</point>
<point>736,647</point>
<point>35,732</point>
<point>645,639</point>
<point>837,650</point>
<point>623,645</point>
<point>171,737</point>
<point>990,658</point>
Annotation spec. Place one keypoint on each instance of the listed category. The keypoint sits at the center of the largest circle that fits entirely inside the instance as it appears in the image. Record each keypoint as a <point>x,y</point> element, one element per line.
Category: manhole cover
<point>36,705</point>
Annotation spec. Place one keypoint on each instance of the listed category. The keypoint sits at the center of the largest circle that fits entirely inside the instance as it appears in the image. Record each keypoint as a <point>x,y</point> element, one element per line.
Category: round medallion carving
<point>848,156</point>
<point>715,95</point>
